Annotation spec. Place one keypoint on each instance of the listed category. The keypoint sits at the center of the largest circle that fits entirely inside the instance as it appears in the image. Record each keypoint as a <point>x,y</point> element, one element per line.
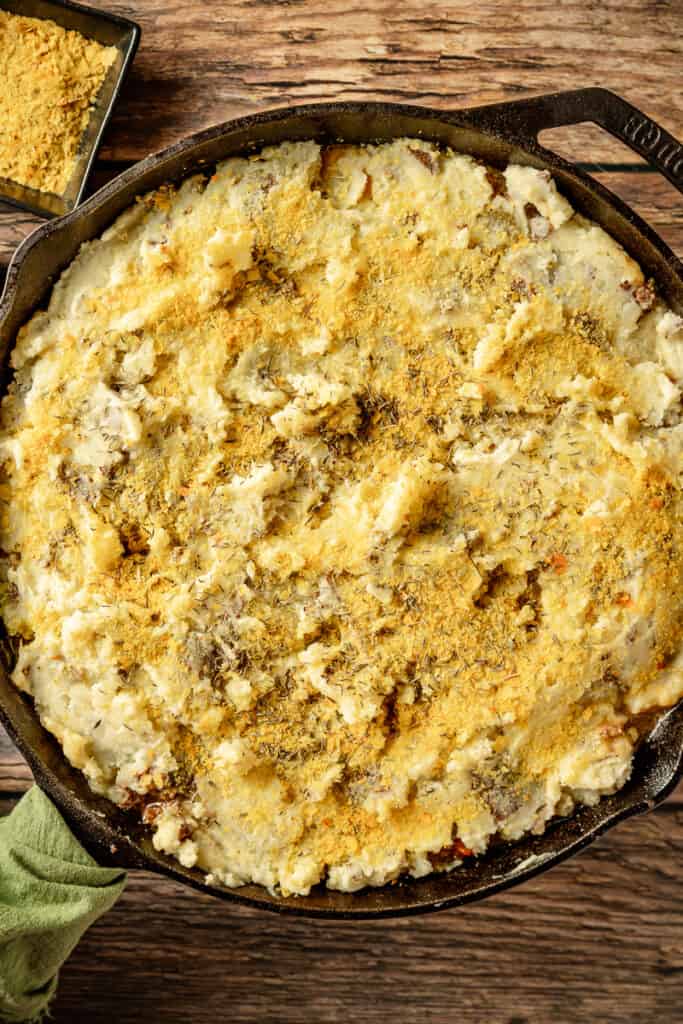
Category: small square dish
<point>109,30</point>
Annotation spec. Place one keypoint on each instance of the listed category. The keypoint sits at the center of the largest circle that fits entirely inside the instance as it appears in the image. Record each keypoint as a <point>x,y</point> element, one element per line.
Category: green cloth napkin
<point>51,890</point>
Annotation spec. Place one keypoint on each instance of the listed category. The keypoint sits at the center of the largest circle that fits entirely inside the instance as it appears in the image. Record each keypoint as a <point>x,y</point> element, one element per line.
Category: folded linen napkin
<point>51,891</point>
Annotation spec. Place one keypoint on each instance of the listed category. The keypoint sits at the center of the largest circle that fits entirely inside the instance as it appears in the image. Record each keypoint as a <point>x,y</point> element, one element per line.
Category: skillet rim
<point>105,832</point>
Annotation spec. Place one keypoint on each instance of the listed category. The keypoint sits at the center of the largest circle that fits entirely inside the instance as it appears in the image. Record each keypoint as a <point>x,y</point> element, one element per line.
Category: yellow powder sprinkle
<point>50,79</point>
<point>342,525</point>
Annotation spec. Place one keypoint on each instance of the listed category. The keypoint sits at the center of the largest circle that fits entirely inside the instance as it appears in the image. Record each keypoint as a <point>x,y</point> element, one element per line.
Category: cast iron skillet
<point>496,134</point>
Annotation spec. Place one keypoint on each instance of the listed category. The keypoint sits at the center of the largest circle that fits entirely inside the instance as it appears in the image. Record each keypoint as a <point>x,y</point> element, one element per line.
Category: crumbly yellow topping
<point>343,511</point>
<point>50,79</point>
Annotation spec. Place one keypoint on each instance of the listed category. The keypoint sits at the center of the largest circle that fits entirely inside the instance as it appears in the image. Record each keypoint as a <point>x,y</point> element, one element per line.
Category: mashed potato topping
<point>342,512</point>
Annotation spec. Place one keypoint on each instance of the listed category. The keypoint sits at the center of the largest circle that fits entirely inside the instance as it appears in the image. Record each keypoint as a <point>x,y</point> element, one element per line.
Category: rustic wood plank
<point>596,939</point>
<point>650,195</point>
<point>203,63</point>
<point>15,225</point>
<point>15,774</point>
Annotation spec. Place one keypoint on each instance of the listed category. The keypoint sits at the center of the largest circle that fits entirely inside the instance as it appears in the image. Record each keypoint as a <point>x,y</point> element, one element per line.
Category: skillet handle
<point>528,117</point>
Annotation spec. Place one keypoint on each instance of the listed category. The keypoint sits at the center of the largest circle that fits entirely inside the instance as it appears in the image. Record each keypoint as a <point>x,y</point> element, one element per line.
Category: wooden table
<point>599,939</point>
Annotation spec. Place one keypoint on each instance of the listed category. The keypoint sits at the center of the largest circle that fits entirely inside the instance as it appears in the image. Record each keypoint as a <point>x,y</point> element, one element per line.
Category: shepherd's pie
<point>342,512</point>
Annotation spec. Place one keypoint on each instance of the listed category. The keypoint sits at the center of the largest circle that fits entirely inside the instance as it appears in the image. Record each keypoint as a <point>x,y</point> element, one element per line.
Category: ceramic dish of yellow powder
<point>51,78</point>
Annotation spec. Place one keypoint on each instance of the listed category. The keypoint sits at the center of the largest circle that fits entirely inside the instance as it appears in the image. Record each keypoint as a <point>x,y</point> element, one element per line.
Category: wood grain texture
<point>200,63</point>
<point>15,774</point>
<point>595,940</point>
<point>598,940</point>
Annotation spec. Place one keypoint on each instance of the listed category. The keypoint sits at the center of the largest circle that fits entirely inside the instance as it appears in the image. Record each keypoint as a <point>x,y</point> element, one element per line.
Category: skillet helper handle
<point>530,116</point>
